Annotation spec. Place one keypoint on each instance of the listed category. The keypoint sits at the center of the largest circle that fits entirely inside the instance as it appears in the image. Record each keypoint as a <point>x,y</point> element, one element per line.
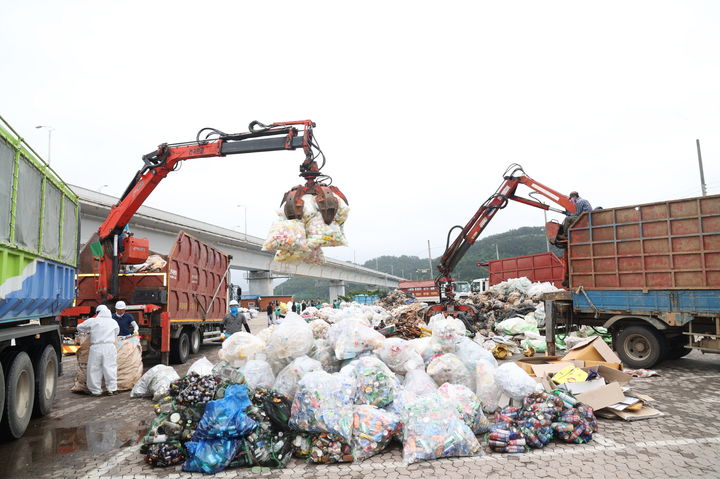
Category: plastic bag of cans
<point>319,328</point>
<point>372,429</point>
<point>286,235</point>
<point>323,404</point>
<point>433,429</point>
<point>375,384</point>
<point>322,351</point>
<point>419,382</point>
<point>514,381</point>
<point>354,338</point>
<point>467,405</point>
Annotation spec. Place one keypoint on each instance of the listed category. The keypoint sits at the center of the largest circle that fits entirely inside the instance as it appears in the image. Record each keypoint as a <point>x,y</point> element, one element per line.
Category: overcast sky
<point>420,106</point>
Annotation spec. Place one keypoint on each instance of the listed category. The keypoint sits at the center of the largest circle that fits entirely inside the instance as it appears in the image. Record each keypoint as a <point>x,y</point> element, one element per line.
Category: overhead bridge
<point>161,228</point>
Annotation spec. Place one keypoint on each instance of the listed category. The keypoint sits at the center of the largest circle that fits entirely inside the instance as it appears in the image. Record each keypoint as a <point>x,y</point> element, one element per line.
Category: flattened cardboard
<point>527,363</point>
<point>613,375</point>
<point>594,349</point>
<point>594,364</point>
<point>645,413</point>
<point>603,397</point>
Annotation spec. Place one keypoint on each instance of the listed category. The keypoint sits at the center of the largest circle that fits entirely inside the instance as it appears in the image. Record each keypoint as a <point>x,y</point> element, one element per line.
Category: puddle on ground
<point>44,441</point>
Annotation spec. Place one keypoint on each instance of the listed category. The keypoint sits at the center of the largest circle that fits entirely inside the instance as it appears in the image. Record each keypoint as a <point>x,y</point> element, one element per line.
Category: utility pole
<point>376,265</point>
<point>703,187</point>
<point>392,269</point>
<point>497,252</point>
<point>430,272</point>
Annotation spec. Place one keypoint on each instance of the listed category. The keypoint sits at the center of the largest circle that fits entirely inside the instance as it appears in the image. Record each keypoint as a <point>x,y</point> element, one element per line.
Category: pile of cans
<point>543,417</point>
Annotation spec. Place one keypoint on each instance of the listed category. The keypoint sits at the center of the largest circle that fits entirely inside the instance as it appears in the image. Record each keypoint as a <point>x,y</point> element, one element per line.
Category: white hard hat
<point>120,305</point>
<point>233,303</point>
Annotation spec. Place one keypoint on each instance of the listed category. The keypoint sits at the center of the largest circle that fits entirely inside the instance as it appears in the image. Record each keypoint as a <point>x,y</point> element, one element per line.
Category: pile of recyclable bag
<point>129,362</point>
<point>302,240</point>
<point>344,393</point>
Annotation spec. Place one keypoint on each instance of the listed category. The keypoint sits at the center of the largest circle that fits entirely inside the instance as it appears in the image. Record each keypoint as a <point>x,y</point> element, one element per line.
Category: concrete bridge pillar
<point>337,288</point>
<point>260,283</point>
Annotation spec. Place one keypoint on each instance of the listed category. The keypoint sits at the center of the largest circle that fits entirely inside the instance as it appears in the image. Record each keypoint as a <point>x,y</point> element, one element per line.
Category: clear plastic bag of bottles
<point>323,404</point>
<point>433,429</point>
<point>372,429</point>
<point>375,384</point>
<point>449,369</point>
<point>467,405</point>
<point>287,380</point>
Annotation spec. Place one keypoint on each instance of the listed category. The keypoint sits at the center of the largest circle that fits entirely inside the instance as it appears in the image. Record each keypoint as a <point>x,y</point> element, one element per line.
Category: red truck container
<point>535,267</point>
<point>648,273</point>
<point>425,291</point>
<point>667,245</point>
<point>176,306</point>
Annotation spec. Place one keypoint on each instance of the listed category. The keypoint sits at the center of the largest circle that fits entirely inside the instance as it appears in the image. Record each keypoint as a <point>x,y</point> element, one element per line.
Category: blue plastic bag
<point>210,456</point>
<point>226,418</point>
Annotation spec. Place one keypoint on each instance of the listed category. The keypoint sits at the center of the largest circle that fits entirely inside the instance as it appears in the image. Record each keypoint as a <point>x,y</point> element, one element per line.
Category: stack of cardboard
<point>609,393</point>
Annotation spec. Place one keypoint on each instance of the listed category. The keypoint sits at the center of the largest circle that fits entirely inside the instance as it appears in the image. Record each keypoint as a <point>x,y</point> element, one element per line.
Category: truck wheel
<point>46,377</point>
<point>195,341</point>
<point>2,392</point>
<point>19,394</point>
<point>678,348</point>
<point>640,347</point>
<point>180,348</point>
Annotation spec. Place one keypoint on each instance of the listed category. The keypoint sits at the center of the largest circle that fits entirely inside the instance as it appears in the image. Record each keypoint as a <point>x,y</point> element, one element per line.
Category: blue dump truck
<point>648,273</point>
<point>38,259</point>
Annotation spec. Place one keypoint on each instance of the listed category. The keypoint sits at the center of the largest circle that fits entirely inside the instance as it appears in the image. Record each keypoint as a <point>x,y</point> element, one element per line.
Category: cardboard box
<point>527,363</point>
<point>593,349</point>
<point>599,395</point>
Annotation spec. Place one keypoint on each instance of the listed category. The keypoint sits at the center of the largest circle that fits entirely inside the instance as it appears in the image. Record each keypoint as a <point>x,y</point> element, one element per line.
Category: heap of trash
<point>326,386</point>
<point>301,240</point>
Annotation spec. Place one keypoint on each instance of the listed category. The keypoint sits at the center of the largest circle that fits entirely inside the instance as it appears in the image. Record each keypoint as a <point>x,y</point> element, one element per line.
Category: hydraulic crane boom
<point>159,163</point>
<point>514,176</point>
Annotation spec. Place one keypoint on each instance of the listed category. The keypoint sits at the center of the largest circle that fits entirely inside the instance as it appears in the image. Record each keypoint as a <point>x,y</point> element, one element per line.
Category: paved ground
<point>88,437</point>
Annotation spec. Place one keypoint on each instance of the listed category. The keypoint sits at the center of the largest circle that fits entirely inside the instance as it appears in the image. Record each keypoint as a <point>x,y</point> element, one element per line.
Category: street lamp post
<point>49,130</point>
<point>245,218</point>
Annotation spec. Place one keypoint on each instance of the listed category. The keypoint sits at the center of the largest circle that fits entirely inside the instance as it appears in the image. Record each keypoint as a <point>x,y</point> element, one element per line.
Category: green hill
<point>517,242</point>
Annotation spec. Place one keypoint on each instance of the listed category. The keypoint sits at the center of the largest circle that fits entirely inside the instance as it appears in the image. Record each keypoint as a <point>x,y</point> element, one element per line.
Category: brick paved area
<point>88,437</point>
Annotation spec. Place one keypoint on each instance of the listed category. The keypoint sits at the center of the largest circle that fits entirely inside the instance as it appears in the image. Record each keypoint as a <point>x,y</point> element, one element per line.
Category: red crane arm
<point>469,234</point>
<point>159,163</point>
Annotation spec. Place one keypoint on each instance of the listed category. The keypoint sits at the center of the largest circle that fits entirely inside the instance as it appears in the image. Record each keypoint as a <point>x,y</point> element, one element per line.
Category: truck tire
<point>19,394</point>
<point>677,348</point>
<point>46,379</point>
<point>180,348</point>
<point>2,392</point>
<point>640,347</point>
<point>195,340</point>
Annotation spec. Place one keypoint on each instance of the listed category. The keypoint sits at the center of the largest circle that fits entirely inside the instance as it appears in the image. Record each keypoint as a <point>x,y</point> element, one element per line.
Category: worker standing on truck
<point>125,320</point>
<point>234,321</point>
<point>581,205</point>
<point>102,360</point>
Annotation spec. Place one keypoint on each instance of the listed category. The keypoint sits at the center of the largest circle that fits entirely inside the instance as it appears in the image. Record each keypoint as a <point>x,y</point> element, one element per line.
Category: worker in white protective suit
<point>102,360</point>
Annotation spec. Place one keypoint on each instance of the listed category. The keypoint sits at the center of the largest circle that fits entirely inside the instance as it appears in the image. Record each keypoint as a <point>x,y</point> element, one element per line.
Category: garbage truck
<point>649,273</point>
<point>38,259</point>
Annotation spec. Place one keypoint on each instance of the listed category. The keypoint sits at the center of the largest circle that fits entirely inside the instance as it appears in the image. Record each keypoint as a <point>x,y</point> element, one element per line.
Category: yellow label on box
<point>570,374</point>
